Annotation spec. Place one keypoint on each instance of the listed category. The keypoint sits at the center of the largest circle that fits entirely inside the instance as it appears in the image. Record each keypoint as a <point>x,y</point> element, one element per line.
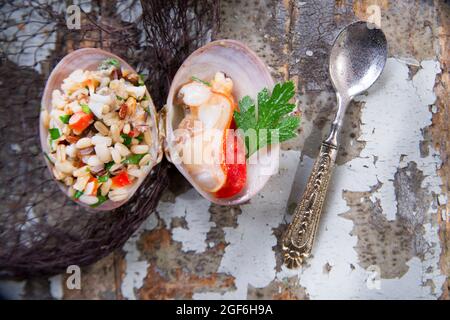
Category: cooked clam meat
<point>202,135</point>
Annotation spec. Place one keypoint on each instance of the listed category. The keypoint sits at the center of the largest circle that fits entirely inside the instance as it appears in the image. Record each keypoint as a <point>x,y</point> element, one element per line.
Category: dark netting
<point>41,230</point>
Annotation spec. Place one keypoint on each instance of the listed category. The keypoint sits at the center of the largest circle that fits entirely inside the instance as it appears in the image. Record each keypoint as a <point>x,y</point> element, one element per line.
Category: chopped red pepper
<point>121,180</point>
<point>80,121</point>
<point>235,167</point>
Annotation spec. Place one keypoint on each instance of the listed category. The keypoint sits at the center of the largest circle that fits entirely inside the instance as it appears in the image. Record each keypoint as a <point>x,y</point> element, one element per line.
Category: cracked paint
<point>385,202</point>
<point>251,242</point>
<point>392,102</point>
<point>194,209</point>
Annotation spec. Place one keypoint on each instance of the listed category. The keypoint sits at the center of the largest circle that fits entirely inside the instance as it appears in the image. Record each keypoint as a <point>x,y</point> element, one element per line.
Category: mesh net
<point>41,230</point>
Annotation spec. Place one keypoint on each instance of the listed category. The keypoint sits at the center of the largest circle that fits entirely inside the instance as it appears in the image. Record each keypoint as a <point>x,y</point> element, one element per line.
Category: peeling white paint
<point>394,113</point>
<point>136,268</point>
<point>249,256</point>
<point>195,210</point>
<point>25,47</point>
<point>56,286</point>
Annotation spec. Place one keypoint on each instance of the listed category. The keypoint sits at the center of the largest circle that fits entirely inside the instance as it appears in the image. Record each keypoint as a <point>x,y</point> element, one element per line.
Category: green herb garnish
<point>201,81</point>
<point>101,199</point>
<point>109,165</point>
<point>119,98</point>
<point>140,137</point>
<point>85,108</point>
<point>144,98</point>
<point>141,81</point>
<point>105,64</point>
<point>126,139</point>
<point>65,118</point>
<point>103,178</point>
<point>269,120</point>
<point>133,159</point>
<point>54,133</point>
<point>78,194</point>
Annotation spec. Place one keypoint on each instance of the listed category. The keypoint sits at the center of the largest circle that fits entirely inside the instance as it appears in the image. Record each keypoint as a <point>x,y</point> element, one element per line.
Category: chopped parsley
<point>85,108</point>
<point>126,139</point>
<point>65,118</point>
<point>54,133</point>
<point>133,159</point>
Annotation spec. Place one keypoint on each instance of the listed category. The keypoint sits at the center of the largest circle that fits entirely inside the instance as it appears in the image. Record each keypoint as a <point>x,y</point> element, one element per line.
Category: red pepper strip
<point>234,166</point>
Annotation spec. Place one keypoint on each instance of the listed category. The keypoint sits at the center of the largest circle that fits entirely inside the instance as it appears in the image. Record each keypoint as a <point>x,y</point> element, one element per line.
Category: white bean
<point>68,181</point>
<point>97,139</point>
<point>135,172</point>
<point>80,172</point>
<point>115,133</point>
<point>103,153</point>
<point>84,143</point>
<point>89,188</point>
<point>101,128</point>
<point>115,167</point>
<point>118,194</point>
<point>106,186</point>
<point>139,149</point>
<point>89,200</point>
<point>123,150</point>
<point>145,160</point>
<point>115,155</point>
<point>81,183</point>
<point>58,175</point>
<point>64,167</point>
<point>94,161</point>
<point>71,150</point>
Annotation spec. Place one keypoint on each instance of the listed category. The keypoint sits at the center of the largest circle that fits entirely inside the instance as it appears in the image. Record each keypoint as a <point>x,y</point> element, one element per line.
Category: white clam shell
<point>249,75</point>
<point>89,59</point>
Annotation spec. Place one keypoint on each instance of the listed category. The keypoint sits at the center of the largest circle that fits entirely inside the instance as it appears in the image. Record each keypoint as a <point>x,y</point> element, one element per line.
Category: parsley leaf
<point>65,118</point>
<point>126,139</point>
<point>104,178</point>
<point>141,81</point>
<point>270,119</point>
<point>109,165</point>
<point>133,159</point>
<point>54,133</point>
<point>78,194</point>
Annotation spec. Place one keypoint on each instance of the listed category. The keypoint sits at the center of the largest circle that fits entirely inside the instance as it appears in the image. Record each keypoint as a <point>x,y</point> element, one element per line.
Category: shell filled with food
<point>98,128</point>
<point>200,129</point>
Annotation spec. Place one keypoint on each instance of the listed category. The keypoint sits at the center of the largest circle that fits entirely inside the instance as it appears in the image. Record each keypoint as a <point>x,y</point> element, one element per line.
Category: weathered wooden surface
<point>386,214</point>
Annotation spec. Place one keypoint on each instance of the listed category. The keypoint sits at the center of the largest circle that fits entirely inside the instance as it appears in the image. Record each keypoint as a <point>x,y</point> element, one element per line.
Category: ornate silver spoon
<point>357,58</point>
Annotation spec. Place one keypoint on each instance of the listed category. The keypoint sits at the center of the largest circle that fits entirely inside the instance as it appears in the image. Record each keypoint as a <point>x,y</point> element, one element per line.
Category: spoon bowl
<point>357,58</point>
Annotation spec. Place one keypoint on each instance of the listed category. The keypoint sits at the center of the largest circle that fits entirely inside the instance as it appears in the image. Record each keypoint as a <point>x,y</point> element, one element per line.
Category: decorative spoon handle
<point>299,237</point>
